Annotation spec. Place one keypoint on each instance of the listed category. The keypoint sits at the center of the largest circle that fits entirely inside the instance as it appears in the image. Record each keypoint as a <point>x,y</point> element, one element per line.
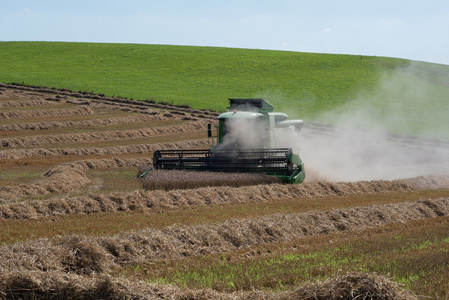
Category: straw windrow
<point>52,285</point>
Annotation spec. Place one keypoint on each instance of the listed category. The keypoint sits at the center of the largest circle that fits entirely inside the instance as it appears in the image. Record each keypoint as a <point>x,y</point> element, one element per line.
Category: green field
<point>395,95</point>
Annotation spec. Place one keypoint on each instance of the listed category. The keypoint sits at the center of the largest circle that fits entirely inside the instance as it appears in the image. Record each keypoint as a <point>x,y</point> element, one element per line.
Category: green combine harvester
<point>250,138</point>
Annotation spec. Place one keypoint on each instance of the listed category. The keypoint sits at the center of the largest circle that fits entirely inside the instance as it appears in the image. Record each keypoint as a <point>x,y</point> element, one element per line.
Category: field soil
<point>78,222</point>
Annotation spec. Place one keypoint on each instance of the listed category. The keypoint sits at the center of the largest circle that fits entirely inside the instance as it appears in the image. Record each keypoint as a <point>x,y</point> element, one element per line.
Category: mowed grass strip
<point>414,255</point>
<point>17,175</point>
<point>113,223</point>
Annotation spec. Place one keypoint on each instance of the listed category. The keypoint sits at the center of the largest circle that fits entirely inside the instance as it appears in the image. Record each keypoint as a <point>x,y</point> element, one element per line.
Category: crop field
<point>78,223</point>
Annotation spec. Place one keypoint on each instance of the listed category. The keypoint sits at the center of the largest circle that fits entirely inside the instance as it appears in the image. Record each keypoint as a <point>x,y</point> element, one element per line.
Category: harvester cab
<point>251,123</point>
<point>250,137</point>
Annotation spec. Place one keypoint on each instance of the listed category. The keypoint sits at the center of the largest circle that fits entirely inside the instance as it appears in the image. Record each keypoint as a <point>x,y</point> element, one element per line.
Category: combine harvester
<point>248,140</point>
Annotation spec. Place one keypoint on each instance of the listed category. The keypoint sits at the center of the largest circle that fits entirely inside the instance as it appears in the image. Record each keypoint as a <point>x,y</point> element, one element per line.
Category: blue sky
<point>417,30</point>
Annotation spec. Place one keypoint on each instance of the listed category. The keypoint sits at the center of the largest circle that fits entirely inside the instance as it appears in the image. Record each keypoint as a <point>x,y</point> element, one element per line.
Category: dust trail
<point>358,147</point>
<point>344,155</point>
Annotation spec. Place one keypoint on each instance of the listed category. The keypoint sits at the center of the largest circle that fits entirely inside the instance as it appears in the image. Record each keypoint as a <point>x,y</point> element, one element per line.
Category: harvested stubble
<point>65,177</point>
<point>87,255</point>
<point>176,179</point>
<point>55,285</point>
<point>62,179</point>
<point>144,200</point>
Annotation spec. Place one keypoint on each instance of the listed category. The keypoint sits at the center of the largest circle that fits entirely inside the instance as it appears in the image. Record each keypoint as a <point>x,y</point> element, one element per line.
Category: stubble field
<point>76,221</point>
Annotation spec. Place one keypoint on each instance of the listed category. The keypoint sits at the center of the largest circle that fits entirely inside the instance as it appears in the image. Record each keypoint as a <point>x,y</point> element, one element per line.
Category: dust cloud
<point>242,133</point>
<point>253,133</point>
<point>398,132</point>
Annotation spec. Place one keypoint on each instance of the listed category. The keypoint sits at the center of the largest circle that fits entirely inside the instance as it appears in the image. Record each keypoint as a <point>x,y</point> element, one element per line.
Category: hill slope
<point>302,84</point>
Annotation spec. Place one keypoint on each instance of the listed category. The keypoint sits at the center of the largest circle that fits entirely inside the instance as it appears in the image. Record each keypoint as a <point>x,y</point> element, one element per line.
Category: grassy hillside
<point>302,84</point>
